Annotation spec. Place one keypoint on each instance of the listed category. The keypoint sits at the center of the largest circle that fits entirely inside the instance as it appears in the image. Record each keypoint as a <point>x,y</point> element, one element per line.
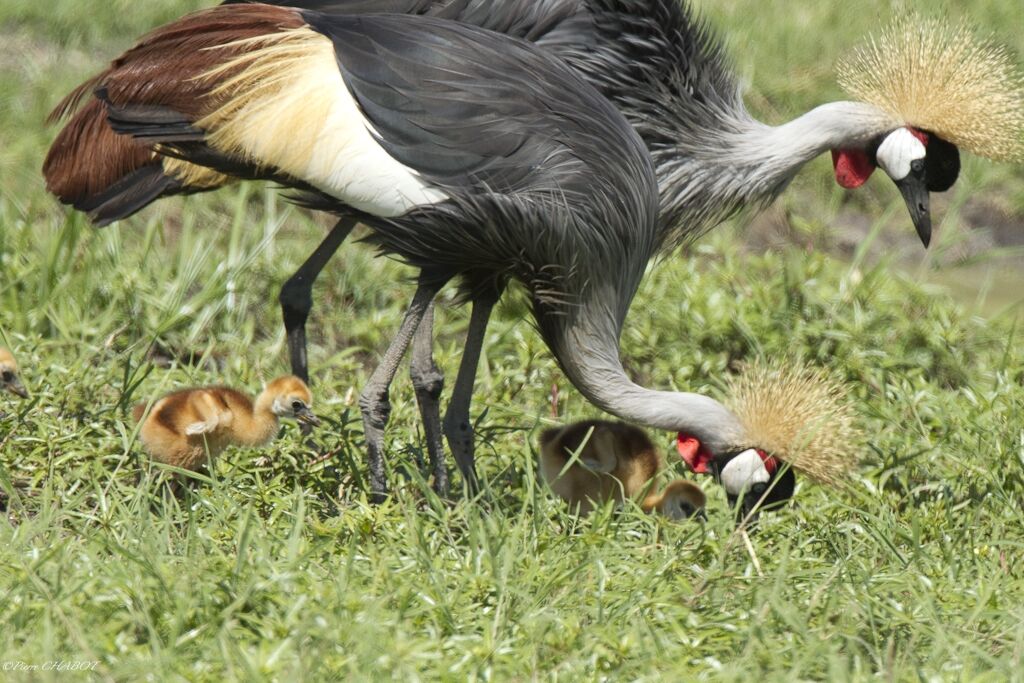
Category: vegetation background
<point>279,570</point>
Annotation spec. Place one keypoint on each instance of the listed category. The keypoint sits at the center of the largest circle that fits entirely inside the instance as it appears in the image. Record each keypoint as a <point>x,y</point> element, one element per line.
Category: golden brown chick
<point>9,374</point>
<point>680,500</point>
<point>617,461</point>
<point>190,427</point>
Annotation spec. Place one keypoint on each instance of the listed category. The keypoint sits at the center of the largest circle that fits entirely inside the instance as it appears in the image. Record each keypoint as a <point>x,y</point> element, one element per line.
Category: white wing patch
<point>287,106</point>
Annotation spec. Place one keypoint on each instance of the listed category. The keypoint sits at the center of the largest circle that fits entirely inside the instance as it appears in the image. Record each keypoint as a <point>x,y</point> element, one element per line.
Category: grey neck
<point>586,343</point>
<point>771,156</point>
<point>747,163</point>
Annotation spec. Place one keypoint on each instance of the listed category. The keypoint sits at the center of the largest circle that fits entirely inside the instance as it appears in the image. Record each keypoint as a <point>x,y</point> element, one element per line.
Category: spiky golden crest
<point>800,414</point>
<point>942,78</point>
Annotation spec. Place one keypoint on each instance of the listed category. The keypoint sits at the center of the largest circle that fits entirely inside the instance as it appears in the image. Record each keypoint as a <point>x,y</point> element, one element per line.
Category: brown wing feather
<point>87,158</point>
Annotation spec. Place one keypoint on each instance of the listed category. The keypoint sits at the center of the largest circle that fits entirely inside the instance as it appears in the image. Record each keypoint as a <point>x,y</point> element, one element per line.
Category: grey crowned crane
<point>666,74</point>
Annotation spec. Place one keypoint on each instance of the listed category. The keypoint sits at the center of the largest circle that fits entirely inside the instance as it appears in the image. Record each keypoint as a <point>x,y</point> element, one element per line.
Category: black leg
<point>297,295</point>
<point>373,401</point>
<point>428,381</point>
<point>458,427</point>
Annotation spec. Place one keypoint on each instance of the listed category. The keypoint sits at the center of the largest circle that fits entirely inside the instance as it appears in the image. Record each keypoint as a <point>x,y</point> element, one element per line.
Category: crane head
<point>950,89</point>
<point>794,418</point>
<point>681,500</point>
<point>752,479</point>
<point>918,162</point>
<point>291,398</point>
<point>9,375</point>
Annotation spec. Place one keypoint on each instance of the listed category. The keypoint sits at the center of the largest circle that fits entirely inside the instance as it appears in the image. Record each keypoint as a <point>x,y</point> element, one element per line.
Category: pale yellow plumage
<point>282,103</point>
<point>800,414</point>
<point>940,77</point>
<point>195,176</point>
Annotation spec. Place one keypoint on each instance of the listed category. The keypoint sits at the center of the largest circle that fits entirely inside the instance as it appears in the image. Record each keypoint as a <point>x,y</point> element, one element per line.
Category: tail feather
<point>146,122</point>
<point>131,194</point>
<point>88,157</point>
<point>114,173</point>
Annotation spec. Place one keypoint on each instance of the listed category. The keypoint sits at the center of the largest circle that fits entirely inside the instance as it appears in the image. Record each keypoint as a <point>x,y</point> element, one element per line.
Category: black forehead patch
<point>941,163</point>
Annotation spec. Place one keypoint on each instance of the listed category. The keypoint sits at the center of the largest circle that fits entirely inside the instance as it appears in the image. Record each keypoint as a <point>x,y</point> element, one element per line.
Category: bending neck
<point>747,163</point>
<point>585,341</point>
<point>784,149</point>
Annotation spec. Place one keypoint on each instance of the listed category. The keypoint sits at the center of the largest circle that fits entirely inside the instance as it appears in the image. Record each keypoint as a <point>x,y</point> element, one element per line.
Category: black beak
<point>768,496</point>
<point>914,188</point>
<point>306,417</point>
<point>17,388</point>
<point>750,506</point>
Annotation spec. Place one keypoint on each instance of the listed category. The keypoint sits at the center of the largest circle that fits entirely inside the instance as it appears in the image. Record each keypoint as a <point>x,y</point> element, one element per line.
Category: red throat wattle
<point>694,454</point>
<point>852,166</point>
<point>698,458</point>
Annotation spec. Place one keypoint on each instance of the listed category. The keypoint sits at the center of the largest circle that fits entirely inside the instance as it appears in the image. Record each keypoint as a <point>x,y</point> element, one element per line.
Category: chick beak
<point>914,189</point>
<point>305,416</point>
<point>17,388</point>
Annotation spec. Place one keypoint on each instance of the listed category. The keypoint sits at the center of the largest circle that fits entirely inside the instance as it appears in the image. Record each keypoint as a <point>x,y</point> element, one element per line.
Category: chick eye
<point>297,406</point>
<point>7,376</point>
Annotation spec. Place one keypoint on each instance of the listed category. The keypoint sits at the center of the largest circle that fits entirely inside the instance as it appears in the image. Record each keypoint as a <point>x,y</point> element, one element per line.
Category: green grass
<point>278,569</point>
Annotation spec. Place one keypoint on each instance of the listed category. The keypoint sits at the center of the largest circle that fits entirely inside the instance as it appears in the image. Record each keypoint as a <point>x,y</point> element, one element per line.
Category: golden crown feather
<point>800,414</point>
<point>941,77</point>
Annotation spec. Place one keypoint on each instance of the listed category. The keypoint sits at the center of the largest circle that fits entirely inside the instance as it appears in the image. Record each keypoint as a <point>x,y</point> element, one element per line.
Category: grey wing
<point>353,6</point>
<point>537,21</point>
<point>468,108</point>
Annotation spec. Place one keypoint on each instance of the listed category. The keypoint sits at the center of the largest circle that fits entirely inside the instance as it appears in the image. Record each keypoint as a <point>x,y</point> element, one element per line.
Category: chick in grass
<point>189,428</point>
<point>9,379</point>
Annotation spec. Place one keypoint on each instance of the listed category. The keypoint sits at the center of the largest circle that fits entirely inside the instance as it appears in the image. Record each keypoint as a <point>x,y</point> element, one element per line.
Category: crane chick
<point>189,428</point>
<point>680,500</point>
<point>615,461</point>
<point>9,374</point>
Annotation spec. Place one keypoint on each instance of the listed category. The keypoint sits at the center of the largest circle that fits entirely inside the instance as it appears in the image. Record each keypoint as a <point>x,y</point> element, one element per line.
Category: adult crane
<point>668,75</point>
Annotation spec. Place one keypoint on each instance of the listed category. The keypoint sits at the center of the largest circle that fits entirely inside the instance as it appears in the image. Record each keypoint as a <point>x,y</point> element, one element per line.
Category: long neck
<point>260,426</point>
<point>709,174</point>
<point>585,341</point>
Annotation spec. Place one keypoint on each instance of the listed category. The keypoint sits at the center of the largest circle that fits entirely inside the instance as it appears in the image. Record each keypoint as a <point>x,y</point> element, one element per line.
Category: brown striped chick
<point>9,375</point>
<point>190,427</point>
<point>617,461</point>
<point>680,500</point>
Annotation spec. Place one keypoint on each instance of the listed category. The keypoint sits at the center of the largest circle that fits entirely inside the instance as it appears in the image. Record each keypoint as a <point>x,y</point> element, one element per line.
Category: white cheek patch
<point>897,151</point>
<point>743,471</point>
